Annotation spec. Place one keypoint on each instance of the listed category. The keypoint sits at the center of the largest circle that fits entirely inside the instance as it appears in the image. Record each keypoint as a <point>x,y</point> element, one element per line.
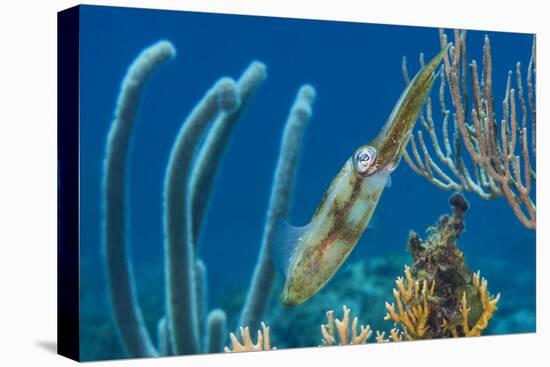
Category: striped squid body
<point>309,256</point>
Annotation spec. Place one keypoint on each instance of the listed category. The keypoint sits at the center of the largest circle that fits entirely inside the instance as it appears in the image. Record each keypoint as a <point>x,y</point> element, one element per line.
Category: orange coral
<point>412,306</point>
<point>263,342</point>
<point>488,308</point>
<point>395,335</point>
<point>344,331</point>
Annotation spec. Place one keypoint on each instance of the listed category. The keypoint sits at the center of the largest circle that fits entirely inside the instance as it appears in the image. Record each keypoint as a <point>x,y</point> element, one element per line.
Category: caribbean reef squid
<point>310,255</point>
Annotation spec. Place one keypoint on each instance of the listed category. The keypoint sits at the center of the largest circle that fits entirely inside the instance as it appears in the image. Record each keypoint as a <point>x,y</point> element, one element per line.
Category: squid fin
<point>388,182</point>
<point>286,240</point>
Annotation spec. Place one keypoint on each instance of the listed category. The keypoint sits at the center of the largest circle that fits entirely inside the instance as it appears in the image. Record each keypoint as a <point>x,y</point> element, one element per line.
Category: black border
<point>68,306</point>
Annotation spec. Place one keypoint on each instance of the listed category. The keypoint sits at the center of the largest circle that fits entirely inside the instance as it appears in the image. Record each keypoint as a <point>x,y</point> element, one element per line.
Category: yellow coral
<point>395,335</point>
<point>412,298</point>
<point>380,337</point>
<point>488,305</point>
<point>412,307</point>
<point>262,343</point>
<point>343,329</point>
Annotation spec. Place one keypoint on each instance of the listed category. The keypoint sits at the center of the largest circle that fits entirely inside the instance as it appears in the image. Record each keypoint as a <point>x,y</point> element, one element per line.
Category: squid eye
<point>364,158</point>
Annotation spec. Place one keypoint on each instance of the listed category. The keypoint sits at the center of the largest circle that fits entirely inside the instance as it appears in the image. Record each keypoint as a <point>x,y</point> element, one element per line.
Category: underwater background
<point>356,71</point>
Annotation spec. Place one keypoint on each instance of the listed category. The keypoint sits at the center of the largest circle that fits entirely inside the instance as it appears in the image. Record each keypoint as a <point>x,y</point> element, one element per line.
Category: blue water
<point>356,70</point>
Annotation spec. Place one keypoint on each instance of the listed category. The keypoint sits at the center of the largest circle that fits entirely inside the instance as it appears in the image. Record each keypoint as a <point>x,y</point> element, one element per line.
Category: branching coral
<point>334,332</point>
<point>439,297</point>
<point>262,343</point>
<point>412,305</point>
<point>496,169</point>
<point>346,335</point>
<point>485,308</point>
<point>396,335</point>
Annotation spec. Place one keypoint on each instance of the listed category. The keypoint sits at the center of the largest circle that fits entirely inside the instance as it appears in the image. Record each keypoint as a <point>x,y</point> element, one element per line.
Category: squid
<point>309,256</point>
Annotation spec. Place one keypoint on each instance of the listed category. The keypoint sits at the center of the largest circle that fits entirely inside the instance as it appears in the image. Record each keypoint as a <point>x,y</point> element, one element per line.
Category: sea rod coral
<point>499,166</point>
<point>126,310</point>
<point>186,328</point>
<point>279,204</point>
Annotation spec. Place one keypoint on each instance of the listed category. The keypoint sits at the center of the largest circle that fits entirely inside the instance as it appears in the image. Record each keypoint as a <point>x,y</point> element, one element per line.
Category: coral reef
<point>262,343</point>
<point>187,327</point>
<point>361,285</point>
<point>346,335</point>
<point>488,306</point>
<point>364,284</point>
<point>395,335</point>
<point>439,296</point>
<point>412,306</point>
<point>495,169</point>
